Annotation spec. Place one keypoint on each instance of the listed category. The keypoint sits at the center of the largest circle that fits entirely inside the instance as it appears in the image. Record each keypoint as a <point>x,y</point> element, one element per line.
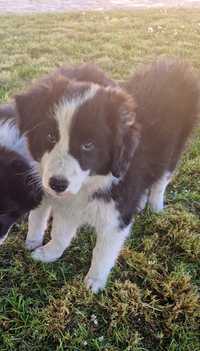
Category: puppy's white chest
<point>83,209</point>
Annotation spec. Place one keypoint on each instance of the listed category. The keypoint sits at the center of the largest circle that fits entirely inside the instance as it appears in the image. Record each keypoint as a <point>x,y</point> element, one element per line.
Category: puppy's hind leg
<point>157,191</point>
<point>37,224</point>
<point>143,201</point>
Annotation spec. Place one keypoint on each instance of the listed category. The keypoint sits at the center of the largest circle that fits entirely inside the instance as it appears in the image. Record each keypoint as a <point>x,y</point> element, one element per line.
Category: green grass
<point>151,301</point>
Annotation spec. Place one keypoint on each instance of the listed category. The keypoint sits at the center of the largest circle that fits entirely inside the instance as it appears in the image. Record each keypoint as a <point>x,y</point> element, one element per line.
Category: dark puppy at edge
<point>102,151</point>
<point>18,183</point>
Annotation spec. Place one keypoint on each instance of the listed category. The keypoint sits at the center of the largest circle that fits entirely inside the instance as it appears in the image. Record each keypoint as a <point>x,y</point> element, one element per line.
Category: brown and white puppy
<point>101,150</point>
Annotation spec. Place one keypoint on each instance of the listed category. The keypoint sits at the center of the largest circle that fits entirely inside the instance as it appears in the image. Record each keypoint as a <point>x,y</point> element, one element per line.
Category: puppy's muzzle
<point>58,184</point>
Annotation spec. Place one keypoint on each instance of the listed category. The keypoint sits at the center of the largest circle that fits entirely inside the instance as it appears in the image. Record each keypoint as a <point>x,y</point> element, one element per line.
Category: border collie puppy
<point>18,183</point>
<point>102,149</point>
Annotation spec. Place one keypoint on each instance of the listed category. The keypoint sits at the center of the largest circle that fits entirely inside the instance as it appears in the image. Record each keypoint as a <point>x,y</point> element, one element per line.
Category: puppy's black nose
<point>58,184</point>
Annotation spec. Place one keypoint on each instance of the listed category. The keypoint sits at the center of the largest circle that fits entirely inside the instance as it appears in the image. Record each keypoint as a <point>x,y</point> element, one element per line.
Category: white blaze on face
<point>58,162</point>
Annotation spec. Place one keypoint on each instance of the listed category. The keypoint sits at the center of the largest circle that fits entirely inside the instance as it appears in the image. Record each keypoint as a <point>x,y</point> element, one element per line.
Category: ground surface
<point>28,6</point>
<point>151,302</point>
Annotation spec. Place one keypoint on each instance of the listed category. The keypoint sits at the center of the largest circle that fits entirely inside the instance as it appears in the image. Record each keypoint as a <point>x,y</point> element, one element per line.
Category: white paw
<point>157,207</point>
<point>3,239</point>
<point>142,202</point>
<point>32,244</point>
<point>42,254</point>
<point>94,284</point>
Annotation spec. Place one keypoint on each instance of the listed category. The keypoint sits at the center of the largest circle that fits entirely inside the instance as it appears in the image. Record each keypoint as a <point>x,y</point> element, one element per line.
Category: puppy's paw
<point>157,207</point>
<point>42,254</point>
<point>94,283</point>
<point>142,202</point>
<point>32,244</point>
<point>2,239</point>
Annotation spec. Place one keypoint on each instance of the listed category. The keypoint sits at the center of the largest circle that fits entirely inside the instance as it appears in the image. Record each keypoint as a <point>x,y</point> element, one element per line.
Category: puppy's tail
<point>167,94</point>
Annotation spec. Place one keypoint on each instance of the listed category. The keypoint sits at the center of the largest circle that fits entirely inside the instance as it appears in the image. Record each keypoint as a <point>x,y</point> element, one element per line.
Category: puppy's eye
<point>51,138</point>
<point>87,146</point>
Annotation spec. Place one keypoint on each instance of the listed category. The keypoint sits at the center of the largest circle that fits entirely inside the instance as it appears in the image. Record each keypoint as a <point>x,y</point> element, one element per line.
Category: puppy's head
<point>77,130</point>
<point>18,188</point>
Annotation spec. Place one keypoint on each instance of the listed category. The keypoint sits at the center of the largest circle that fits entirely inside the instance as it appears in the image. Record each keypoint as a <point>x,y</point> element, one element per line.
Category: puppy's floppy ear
<point>126,130</point>
<point>30,105</point>
<point>35,104</point>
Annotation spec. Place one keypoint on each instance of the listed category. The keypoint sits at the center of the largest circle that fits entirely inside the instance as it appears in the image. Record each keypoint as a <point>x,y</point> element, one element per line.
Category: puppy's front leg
<point>105,253</point>
<point>37,224</point>
<point>63,230</point>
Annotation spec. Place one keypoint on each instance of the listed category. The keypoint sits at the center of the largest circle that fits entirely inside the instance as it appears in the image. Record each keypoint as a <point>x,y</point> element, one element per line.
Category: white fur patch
<point>38,220</point>
<point>157,191</point>
<point>11,139</point>
<point>4,237</point>
<point>65,110</point>
<point>143,201</point>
